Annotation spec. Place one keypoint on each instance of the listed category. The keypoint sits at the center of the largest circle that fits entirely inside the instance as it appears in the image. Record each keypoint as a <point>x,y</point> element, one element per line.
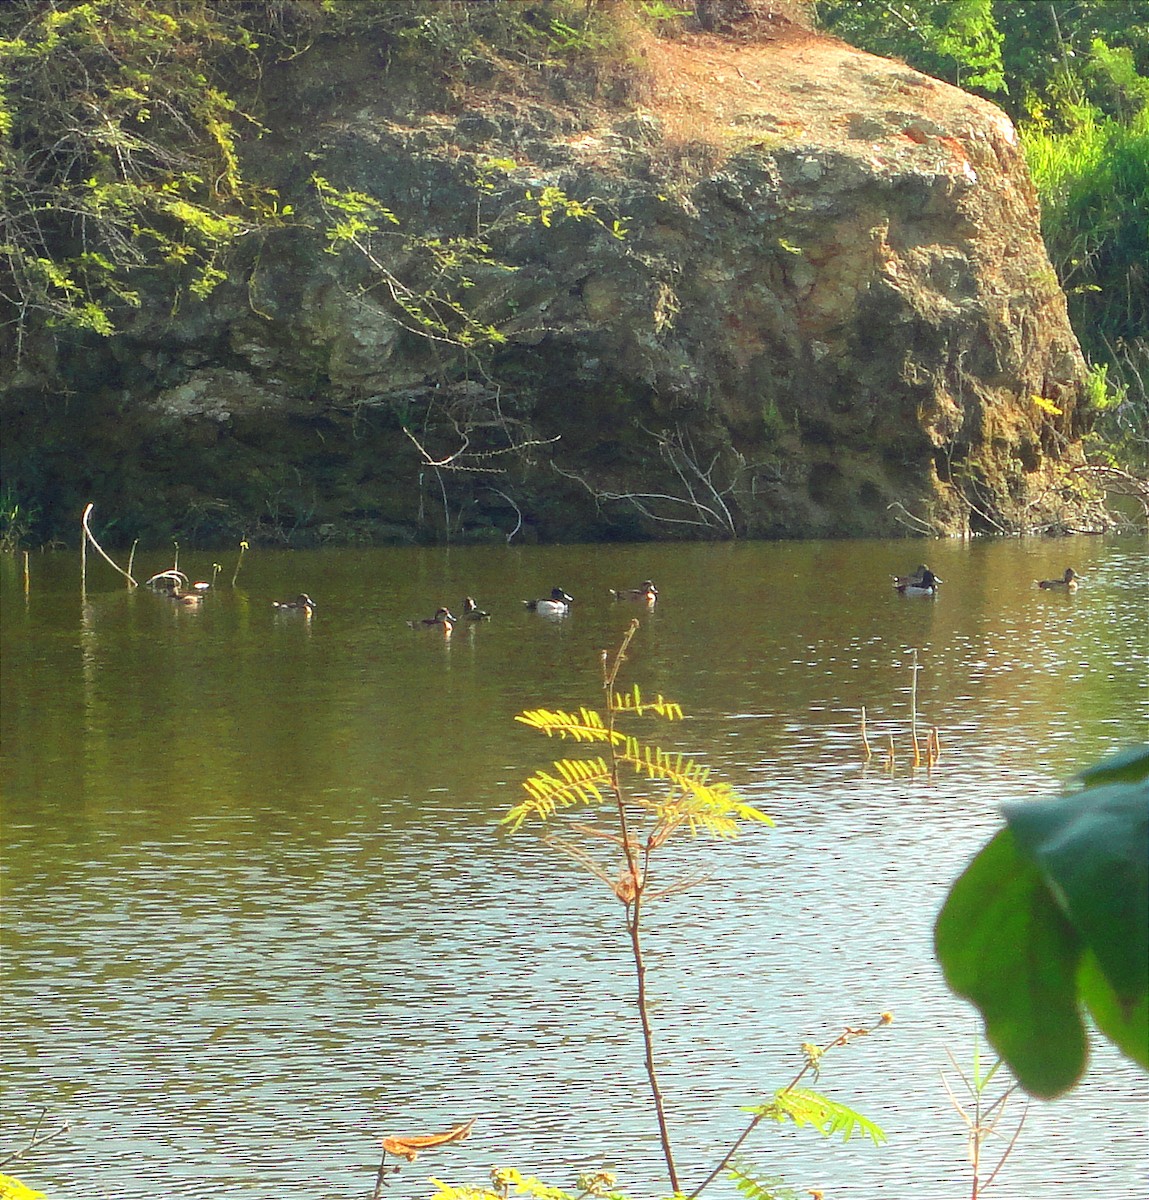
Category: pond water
<point>259,912</point>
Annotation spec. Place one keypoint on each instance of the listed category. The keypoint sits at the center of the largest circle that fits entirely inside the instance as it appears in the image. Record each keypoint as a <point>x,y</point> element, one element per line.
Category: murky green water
<point>258,914</point>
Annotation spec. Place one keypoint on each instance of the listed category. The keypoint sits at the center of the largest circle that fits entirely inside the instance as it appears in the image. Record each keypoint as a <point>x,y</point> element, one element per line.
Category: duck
<point>923,582</point>
<point>472,612</point>
<point>443,619</point>
<point>1068,581</point>
<point>647,593</point>
<point>204,585</point>
<point>901,581</point>
<point>557,605</point>
<point>301,602</point>
<point>181,597</point>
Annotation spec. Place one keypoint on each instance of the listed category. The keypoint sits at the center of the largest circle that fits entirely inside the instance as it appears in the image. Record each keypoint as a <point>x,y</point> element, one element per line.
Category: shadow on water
<point>258,912</point>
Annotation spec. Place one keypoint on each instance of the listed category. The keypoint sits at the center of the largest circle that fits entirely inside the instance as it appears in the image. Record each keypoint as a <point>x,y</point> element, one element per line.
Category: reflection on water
<point>258,912</point>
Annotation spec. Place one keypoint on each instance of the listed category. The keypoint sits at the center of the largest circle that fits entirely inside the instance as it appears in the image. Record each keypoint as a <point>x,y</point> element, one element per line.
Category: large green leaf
<point>1126,1026</point>
<point>1092,848</point>
<point>1126,766</point>
<point>1004,943</point>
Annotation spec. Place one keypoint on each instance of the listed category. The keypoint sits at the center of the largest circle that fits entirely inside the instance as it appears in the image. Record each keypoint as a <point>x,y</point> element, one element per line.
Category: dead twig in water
<point>167,580</point>
<point>911,521</point>
<point>89,536</point>
<point>37,1139</point>
<point>518,513</point>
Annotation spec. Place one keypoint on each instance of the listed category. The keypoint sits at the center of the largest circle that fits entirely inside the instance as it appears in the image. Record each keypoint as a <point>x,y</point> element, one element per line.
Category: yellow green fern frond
<point>753,1186</point>
<point>633,702</point>
<point>704,806</point>
<point>576,781</point>
<point>585,726</point>
<point>804,1107</point>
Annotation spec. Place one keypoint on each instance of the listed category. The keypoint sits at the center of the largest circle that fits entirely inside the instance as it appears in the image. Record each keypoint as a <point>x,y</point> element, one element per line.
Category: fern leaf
<point>830,1118</point>
<point>714,808</point>
<point>577,781</point>
<point>585,726</point>
<point>633,702</point>
<point>754,1187</point>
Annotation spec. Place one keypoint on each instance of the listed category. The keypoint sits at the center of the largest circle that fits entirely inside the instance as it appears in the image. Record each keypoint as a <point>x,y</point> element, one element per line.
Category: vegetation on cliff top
<point>127,129</point>
<point>122,125</point>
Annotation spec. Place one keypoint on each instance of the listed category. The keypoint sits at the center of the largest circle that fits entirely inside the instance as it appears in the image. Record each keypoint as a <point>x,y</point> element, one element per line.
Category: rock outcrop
<point>829,313</point>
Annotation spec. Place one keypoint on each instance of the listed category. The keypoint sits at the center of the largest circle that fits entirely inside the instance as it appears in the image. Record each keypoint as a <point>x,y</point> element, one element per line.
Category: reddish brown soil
<point>792,81</point>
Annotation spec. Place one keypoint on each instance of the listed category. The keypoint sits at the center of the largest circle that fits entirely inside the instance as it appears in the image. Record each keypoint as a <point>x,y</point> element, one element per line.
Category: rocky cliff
<point>790,290</point>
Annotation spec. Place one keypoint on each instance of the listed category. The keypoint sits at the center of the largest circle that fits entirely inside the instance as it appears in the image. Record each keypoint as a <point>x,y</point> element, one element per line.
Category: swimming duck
<point>647,593</point>
<point>443,619</point>
<point>302,601</point>
<point>182,597</point>
<point>204,585</point>
<point>472,612</point>
<point>1068,581</point>
<point>901,581</point>
<point>923,582</point>
<point>558,604</point>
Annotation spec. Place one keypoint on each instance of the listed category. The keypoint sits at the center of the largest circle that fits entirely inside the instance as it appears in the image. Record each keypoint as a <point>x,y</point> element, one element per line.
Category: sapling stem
<point>381,1175</point>
<point>983,1121</point>
<point>637,879</point>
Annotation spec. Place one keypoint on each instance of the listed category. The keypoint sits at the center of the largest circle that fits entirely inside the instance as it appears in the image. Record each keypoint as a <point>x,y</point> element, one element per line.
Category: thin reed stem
<point>914,668</point>
<point>239,562</point>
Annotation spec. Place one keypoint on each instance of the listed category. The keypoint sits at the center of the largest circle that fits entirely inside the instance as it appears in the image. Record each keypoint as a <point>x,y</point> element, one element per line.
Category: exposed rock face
<point>830,314</point>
